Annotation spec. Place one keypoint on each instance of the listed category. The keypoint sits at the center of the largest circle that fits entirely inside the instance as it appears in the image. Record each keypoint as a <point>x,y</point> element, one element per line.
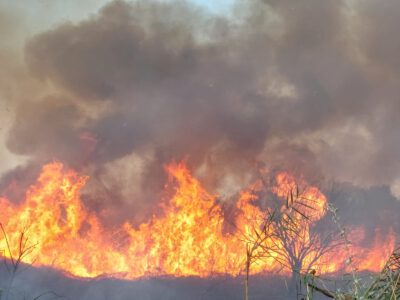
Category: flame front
<point>187,239</point>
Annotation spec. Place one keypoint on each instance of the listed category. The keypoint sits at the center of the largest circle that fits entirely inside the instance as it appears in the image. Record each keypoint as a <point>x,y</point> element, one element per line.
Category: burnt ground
<point>31,282</point>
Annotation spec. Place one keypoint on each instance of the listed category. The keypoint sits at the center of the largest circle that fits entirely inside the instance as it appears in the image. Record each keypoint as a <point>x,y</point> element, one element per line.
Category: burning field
<point>187,237</point>
<point>173,148</point>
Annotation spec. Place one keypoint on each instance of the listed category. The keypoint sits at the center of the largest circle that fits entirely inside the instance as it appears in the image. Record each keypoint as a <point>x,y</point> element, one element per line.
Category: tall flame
<point>187,238</point>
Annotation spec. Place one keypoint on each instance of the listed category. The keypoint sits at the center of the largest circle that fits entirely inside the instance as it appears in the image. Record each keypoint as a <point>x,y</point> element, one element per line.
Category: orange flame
<point>187,239</point>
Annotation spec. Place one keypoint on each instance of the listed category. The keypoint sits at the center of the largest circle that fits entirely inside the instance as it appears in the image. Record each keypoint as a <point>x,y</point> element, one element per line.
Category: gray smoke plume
<point>308,85</point>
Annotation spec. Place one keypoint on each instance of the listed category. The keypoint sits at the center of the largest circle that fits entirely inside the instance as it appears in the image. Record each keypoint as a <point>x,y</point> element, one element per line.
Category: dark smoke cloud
<point>308,85</point>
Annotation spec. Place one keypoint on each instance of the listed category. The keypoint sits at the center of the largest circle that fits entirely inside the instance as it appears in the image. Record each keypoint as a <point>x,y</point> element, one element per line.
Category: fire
<point>187,239</point>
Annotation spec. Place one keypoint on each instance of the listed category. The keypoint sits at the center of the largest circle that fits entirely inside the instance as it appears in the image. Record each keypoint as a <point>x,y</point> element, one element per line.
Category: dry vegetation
<point>13,264</point>
<point>286,227</point>
<point>285,236</point>
<point>383,286</point>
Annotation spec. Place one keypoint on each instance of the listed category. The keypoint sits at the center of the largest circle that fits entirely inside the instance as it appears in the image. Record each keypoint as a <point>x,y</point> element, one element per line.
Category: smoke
<point>308,85</point>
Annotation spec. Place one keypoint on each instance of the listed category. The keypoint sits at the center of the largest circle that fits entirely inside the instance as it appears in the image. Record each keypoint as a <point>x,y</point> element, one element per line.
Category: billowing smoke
<point>306,85</point>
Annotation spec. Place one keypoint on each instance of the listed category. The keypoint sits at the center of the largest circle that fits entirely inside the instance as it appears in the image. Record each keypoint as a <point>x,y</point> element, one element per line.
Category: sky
<point>219,7</point>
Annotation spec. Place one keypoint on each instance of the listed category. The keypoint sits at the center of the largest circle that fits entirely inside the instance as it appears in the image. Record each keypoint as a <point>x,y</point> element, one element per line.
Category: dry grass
<point>383,286</point>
